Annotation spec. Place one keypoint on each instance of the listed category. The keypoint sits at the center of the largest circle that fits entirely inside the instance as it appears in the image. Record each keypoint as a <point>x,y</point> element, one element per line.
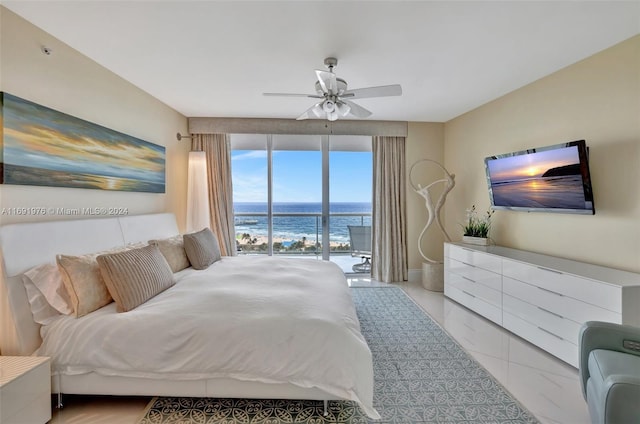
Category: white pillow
<point>48,280</point>
<point>40,308</point>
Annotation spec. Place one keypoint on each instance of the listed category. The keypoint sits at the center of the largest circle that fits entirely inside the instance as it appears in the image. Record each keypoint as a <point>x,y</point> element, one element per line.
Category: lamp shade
<point>197,193</point>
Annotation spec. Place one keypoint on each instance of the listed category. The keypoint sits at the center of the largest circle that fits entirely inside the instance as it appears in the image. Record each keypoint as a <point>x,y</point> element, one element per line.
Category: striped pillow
<point>135,276</point>
<point>202,248</point>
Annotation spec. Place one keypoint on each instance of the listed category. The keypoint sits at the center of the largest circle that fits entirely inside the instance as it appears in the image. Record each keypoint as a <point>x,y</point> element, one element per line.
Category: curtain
<point>218,152</point>
<point>389,222</point>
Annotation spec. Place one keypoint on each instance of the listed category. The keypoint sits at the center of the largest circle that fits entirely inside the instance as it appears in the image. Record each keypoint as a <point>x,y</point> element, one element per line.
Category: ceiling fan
<point>335,99</point>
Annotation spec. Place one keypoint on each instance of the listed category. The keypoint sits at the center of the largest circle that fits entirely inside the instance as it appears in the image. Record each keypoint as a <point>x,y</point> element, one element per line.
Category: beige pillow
<point>81,277</point>
<point>202,248</point>
<point>172,249</point>
<point>135,276</point>
<point>83,281</point>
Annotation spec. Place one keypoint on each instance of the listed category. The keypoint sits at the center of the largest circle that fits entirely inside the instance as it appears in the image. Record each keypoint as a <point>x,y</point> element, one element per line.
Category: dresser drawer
<point>553,344</point>
<point>474,303</point>
<point>475,274</point>
<point>473,333</point>
<point>564,306</point>
<point>475,258</point>
<point>556,324</point>
<point>602,295</point>
<point>486,293</point>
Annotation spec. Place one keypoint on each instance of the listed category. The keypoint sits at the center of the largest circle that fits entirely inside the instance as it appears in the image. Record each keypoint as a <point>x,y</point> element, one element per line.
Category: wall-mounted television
<point>545,179</point>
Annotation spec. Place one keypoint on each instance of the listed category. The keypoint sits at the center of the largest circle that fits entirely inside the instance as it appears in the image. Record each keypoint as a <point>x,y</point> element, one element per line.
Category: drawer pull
<point>467,293</point>
<point>468,279</point>
<point>472,266</point>
<point>549,312</point>
<point>550,333</point>
<point>631,345</point>
<point>550,270</point>
<point>467,249</point>
<point>550,291</point>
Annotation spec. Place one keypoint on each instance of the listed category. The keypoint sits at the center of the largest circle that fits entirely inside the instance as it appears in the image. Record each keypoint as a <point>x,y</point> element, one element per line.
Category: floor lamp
<point>197,193</point>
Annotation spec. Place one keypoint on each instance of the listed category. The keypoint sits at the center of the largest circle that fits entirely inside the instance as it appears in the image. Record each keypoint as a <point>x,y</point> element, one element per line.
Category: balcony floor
<point>343,260</point>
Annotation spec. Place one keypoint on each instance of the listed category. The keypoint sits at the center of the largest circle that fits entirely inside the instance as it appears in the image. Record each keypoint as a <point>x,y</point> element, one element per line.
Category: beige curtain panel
<point>389,229</point>
<point>218,152</point>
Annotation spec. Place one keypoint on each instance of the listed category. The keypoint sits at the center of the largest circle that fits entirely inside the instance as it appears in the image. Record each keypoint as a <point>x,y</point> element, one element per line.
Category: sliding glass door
<point>296,191</point>
<point>295,195</point>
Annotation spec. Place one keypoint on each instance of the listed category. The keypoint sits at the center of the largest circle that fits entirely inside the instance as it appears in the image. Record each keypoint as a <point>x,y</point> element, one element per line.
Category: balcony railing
<point>295,233</point>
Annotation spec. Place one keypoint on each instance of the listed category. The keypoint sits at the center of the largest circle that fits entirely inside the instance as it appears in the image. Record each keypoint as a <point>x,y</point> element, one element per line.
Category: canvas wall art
<point>43,147</point>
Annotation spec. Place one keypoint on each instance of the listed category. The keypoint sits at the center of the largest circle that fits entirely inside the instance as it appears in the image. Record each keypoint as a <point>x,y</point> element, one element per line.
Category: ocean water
<point>305,222</point>
<point>550,192</point>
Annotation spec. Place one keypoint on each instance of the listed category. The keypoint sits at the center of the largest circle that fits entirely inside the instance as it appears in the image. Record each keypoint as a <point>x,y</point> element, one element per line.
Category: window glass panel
<point>297,194</point>
<point>350,182</point>
<point>250,191</point>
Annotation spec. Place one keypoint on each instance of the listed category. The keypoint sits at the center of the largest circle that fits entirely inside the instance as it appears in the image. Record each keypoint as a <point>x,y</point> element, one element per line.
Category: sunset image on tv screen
<point>545,179</point>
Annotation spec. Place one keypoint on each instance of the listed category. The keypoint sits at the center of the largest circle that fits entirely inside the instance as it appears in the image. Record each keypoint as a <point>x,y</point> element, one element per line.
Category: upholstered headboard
<point>23,246</point>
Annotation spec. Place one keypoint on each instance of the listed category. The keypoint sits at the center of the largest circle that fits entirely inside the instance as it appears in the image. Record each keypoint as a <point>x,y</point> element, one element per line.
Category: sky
<point>297,176</point>
<point>531,165</point>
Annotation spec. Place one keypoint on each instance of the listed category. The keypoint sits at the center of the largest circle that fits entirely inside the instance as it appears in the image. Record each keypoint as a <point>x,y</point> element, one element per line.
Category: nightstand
<point>25,390</point>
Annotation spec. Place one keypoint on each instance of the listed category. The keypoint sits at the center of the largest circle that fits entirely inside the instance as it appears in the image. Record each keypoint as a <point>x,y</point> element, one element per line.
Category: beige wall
<point>597,99</point>
<point>424,141</point>
<point>69,82</point>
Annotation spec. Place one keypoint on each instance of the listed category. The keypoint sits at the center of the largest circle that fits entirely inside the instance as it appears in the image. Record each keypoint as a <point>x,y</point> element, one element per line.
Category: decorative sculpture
<point>434,211</point>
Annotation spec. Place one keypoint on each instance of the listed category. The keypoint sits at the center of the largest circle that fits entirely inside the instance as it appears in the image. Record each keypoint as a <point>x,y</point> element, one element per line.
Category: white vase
<point>433,276</point>
<point>480,241</point>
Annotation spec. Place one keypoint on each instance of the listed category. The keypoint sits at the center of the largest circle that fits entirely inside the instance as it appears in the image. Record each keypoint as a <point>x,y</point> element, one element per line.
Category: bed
<point>246,327</point>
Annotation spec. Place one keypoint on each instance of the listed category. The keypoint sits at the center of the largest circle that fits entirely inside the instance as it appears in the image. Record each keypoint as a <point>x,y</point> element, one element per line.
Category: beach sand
<point>264,240</point>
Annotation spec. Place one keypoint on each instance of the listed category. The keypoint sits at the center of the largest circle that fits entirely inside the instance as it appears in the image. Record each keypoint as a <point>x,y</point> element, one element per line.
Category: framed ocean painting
<point>43,147</point>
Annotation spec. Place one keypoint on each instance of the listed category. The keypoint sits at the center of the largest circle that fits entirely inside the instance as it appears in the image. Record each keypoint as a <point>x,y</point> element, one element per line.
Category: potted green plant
<point>476,230</point>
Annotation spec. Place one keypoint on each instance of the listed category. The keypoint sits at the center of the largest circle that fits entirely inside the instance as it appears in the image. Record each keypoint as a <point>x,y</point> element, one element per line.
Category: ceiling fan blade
<point>356,110</point>
<point>313,96</point>
<point>327,81</point>
<point>314,111</point>
<point>380,91</point>
<point>342,108</point>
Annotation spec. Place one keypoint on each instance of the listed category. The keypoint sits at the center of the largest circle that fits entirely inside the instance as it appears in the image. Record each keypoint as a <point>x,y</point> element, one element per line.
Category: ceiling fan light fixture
<point>329,106</point>
<point>332,116</point>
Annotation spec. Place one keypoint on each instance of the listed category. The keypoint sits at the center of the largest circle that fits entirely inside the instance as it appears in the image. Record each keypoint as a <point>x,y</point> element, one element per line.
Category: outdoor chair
<point>360,245</point>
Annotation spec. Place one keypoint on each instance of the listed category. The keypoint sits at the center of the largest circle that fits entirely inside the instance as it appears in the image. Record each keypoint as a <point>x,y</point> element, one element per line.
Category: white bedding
<point>265,319</point>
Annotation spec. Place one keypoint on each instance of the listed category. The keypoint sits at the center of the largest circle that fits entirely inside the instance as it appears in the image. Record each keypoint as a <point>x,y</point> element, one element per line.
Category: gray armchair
<point>610,371</point>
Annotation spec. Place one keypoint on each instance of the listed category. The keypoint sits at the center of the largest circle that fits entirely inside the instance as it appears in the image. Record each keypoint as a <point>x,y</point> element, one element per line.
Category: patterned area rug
<point>421,376</point>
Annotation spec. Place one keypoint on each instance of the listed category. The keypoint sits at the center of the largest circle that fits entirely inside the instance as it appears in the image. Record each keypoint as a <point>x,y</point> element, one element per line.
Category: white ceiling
<point>214,58</point>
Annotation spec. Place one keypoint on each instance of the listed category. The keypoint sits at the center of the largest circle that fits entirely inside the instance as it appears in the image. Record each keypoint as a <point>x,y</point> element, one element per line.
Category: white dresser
<point>25,390</point>
<point>541,298</point>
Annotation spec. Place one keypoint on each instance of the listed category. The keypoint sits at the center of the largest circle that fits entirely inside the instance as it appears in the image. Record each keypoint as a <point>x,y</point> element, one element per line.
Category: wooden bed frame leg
<point>326,408</point>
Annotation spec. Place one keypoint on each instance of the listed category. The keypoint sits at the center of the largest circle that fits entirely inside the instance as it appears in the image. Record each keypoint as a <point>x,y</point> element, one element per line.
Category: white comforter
<point>248,318</point>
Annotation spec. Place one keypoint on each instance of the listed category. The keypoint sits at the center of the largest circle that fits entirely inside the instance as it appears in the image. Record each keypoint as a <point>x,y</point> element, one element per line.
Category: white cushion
<point>47,279</point>
<point>40,308</point>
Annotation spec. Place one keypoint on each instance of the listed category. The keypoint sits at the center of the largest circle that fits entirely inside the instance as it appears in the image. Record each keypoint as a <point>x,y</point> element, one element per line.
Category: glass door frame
<point>325,221</point>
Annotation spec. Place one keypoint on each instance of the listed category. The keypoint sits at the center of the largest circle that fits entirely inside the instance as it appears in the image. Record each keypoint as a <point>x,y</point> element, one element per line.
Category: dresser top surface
<point>582,269</point>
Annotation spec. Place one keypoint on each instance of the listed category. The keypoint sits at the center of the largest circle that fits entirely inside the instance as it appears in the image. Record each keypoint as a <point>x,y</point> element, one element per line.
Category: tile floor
<point>546,386</point>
